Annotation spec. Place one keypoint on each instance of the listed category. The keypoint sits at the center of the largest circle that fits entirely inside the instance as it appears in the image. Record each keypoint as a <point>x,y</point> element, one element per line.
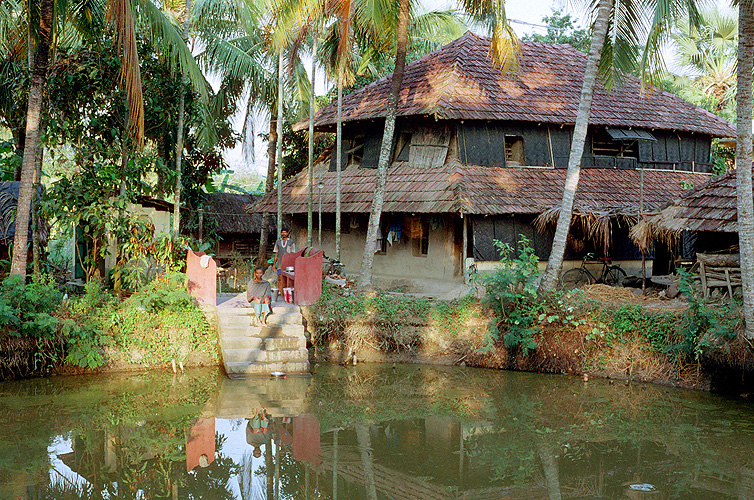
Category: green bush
<point>27,309</point>
<point>511,292</point>
<point>704,324</point>
<point>165,293</point>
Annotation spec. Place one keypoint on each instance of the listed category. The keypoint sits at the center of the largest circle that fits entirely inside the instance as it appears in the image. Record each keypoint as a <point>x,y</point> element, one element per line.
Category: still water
<point>371,432</point>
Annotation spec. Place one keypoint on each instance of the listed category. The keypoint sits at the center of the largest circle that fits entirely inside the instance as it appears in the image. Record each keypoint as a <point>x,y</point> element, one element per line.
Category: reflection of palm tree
<point>367,460</point>
<point>251,485</point>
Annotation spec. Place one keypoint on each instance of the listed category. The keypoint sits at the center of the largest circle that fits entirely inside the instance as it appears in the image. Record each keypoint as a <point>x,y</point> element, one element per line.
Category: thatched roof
<point>461,82</point>
<point>8,204</point>
<point>228,209</point>
<point>709,207</point>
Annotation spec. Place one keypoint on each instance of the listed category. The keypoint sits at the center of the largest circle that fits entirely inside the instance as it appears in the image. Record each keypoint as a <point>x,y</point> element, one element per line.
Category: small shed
<point>704,219</point>
<point>237,231</point>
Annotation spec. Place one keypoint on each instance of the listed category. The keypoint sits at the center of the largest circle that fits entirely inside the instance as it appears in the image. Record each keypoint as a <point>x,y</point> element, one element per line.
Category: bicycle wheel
<point>615,276</point>
<point>575,278</point>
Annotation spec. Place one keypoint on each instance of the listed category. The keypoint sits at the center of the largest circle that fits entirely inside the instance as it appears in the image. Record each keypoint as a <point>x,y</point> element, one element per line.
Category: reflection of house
<point>237,231</point>
<point>478,155</point>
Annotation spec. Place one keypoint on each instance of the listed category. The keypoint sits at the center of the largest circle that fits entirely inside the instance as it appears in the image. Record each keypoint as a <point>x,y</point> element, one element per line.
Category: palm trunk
<point>744,159</point>
<point>367,261</point>
<point>279,148</point>
<point>33,119</point>
<point>269,183</point>
<point>550,467</point>
<point>338,159</point>
<point>35,207</point>
<point>555,263</point>
<point>309,222</point>
<point>367,456</point>
<point>179,134</point>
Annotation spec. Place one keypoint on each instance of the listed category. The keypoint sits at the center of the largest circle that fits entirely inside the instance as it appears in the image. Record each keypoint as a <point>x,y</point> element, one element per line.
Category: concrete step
<point>242,342</point>
<point>277,331</point>
<point>279,343</point>
<point>264,369</point>
<point>233,316</point>
<point>263,356</point>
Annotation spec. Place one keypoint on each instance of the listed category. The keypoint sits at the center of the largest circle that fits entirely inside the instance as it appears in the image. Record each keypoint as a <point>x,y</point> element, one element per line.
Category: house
<point>478,155</point>
<point>237,231</point>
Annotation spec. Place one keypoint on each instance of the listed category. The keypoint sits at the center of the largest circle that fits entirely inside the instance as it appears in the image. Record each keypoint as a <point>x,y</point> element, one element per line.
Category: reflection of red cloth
<point>306,443</point>
<point>200,441</point>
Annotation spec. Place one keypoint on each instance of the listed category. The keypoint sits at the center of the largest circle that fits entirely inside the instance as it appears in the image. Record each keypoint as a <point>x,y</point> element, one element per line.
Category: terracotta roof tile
<point>710,207</point>
<point>459,81</point>
<point>482,190</point>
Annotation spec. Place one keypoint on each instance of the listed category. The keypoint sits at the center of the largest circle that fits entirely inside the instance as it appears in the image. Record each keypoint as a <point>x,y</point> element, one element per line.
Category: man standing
<point>283,246</point>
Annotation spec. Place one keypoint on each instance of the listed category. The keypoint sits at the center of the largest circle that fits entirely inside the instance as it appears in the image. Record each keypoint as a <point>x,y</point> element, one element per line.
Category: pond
<point>371,432</point>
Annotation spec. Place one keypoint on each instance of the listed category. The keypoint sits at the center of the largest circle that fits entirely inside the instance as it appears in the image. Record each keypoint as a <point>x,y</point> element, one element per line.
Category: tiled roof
<point>460,82</point>
<point>481,190</point>
<point>710,207</point>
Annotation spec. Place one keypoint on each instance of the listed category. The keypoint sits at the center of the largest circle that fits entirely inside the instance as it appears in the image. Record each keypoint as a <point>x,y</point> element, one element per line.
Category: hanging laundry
<point>394,232</point>
<point>436,222</point>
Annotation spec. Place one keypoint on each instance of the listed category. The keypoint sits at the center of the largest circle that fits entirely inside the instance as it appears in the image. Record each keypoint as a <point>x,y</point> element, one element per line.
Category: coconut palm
<point>708,53</point>
<point>609,56</point>
<point>503,49</point>
<point>744,199</point>
<point>123,16</point>
<point>244,49</point>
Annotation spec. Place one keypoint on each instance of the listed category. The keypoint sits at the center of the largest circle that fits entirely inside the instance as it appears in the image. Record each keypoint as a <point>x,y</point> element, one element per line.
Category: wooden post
<point>703,276</point>
<point>465,250</point>
<point>641,218</point>
<point>201,224</point>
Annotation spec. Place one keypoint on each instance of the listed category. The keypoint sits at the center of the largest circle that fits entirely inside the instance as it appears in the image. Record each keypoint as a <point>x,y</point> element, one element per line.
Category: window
<point>421,239</point>
<point>514,151</point>
<point>604,145</point>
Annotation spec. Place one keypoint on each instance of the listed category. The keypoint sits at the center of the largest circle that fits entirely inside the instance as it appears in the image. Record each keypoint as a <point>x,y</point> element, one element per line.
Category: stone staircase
<point>250,350</point>
<point>243,398</point>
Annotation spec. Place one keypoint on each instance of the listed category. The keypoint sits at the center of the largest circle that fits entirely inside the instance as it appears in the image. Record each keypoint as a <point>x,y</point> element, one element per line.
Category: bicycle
<point>333,268</point>
<point>612,275</point>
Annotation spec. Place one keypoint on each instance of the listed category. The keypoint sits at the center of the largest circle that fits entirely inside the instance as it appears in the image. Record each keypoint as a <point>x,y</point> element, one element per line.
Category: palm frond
<point>121,17</point>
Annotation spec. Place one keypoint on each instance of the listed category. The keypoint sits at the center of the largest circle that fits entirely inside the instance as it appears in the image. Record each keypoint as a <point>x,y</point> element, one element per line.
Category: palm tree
<point>33,119</point>
<point>708,52</point>
<point>179,132</point>
<point>610,55</point>
<point>120,14</point>
<point>577,145</point>
<point>244,47</point>
<point>744,199</point>
<point>504,50</point>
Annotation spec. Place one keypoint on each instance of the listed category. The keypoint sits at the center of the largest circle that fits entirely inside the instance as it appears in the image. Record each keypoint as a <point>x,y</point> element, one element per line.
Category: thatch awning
<point>229,211</point>
<point>8,205</point>
<point>710,207</point>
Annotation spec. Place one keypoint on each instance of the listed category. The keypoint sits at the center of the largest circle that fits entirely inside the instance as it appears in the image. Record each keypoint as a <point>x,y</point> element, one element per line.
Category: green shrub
<point>26,309</point>
<point>511,292</point>
<point>165,293</point>
<point>704,324</point>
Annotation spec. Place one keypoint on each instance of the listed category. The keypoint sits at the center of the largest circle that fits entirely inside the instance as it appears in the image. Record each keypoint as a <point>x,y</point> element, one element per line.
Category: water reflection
<point>372,433</point>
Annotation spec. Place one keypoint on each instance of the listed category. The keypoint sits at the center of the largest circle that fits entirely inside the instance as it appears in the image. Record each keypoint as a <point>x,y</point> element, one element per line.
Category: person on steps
<point>283,246</point>
<point>259,295</point>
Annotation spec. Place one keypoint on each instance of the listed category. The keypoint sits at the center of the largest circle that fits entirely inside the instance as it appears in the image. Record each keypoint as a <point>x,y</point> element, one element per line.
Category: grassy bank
<point>42,331</point>
<point>602,331</point>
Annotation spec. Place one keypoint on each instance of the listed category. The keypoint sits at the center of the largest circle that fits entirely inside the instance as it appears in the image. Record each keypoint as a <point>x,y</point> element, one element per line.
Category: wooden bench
<point>719,271</point>
<point>306,278</point>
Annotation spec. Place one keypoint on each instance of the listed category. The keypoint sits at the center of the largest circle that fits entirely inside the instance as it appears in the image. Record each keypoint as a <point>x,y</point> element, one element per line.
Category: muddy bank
<point>585,346</point>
